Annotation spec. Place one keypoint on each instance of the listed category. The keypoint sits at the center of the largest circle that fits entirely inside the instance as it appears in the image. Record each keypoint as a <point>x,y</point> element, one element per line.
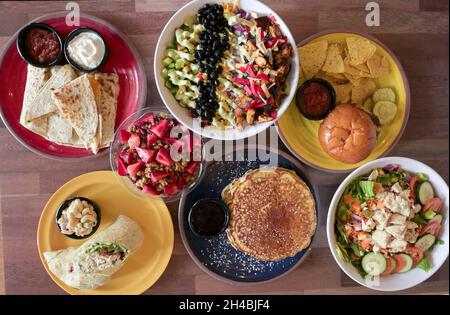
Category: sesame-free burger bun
<point>348,134</point>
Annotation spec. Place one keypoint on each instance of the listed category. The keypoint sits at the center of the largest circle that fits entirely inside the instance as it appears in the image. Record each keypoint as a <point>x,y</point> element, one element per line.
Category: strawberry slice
<point>121,168</point>
<point>148,118</point>
<point>151,138</point>
<point>191,167</point>
<point>163,157</point>
<point>126,157</point>
<point>132,169</point>
<point>181,183</point>
<point>150,190</point>
<point>146,155</point>
<point>171,189</point>
<point>134,141</point>
<point>161,128</point>
<point>124,136</point>
<point>156,176</point>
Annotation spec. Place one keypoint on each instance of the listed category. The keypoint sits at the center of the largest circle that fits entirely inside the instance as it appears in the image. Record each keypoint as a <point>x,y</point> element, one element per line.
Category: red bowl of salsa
<point>40,45</point>
<point>315,99</point>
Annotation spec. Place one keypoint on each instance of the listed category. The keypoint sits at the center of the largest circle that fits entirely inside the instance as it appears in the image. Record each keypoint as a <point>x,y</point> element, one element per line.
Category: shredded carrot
<point>377,187</point>
<point>365,244</point>
<point>356,205</point>
<point>348,199</point>
<point>380,204</point>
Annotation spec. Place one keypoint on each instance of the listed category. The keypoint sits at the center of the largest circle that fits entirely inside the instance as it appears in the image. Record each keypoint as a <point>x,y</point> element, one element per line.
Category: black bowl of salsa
<point>40,45</point>
<point>315,99</point>
<point>208,217</point>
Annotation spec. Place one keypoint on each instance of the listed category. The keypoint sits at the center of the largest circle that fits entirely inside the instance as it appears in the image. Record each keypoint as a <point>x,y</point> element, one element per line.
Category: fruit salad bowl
<point>153,155</point>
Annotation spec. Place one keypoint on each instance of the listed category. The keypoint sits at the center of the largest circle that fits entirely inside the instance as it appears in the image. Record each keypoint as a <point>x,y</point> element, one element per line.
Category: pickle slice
<point>385,111</point>
<point>384,94</point>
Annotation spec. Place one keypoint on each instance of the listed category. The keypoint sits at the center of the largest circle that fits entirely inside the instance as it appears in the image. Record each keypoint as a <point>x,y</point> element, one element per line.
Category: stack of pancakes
<point>272,213</point>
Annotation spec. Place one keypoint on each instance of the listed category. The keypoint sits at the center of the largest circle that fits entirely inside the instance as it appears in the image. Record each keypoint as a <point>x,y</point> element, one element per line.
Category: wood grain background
<point>417,32</point>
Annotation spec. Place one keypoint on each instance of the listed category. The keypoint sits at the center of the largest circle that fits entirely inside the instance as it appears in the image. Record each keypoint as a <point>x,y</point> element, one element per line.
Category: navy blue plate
<point>216,256</point>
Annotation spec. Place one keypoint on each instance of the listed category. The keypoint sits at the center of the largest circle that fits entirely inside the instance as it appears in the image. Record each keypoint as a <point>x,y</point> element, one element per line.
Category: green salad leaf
<point>424,265</point>
<point>107,247</point>
<point>367,189</point>
<point>418,220</point>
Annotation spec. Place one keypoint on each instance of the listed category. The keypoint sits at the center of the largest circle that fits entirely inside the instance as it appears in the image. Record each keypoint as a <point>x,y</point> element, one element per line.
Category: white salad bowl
<point>438,255</point>
<point>182,114</point>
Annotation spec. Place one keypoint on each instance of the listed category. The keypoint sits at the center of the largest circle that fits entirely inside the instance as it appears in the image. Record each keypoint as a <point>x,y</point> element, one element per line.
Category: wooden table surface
<point>415,30</point>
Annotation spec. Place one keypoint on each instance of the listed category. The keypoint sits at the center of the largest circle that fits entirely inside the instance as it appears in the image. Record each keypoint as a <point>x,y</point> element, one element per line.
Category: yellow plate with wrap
<point>300,135</point>
<point>144,267</point>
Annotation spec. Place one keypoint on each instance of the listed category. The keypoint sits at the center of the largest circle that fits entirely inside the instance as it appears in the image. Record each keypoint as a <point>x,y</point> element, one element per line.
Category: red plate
<point>123,59</point>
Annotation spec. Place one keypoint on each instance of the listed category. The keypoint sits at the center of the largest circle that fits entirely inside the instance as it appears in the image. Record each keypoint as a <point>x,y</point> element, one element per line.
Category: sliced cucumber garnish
<point>429,214</point>
<point>407,261</point>
<point>425,242</point>
<point>374,264</point>
<point>424,192</point>
<point>437,218</point>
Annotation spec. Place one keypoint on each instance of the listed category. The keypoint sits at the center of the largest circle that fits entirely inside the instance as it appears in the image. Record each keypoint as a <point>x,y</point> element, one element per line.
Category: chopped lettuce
<point>367,189</point>
<point>424,265</point>
<point>418,220</point>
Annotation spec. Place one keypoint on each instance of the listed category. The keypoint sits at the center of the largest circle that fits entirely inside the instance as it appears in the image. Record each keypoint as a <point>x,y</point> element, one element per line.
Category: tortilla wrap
<point>123,231</point>
<point>76,103</point>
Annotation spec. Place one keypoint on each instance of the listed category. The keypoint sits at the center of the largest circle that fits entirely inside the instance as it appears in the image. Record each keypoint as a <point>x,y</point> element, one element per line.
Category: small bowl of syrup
<point>208,217</point>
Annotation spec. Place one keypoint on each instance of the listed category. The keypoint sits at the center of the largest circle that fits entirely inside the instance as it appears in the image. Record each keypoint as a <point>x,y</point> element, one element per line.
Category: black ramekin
<point>71,61</point>
<point>22,49</point>
<point>331,91</point>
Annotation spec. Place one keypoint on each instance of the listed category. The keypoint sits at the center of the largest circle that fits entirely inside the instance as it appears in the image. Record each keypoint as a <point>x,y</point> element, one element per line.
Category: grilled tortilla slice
<point>106,94</point>
<point>76,103</point>
<point>86,269</point>
<point>36,79</point>
<point>43,105</point>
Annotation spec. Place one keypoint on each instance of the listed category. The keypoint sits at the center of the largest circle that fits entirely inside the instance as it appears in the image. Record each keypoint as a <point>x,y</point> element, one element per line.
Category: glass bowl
<point>117,146</point>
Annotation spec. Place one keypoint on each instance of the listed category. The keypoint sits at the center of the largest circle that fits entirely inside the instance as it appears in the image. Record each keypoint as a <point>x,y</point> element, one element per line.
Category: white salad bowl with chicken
<point>231,64</point>
<point>387,224</point>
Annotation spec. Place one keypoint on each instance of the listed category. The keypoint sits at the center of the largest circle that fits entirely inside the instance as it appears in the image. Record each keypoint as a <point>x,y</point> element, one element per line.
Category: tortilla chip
<point>338,76</point>
<point>353,80</point>
<point>334,62</point>
<point>331,79</point>
<point>378,66</point>
<point>354,71</point>
<point>363,68</point>
<point>366,87</point>
<point>359,50</point>
<point>343,93</point>
<point>312,57</point>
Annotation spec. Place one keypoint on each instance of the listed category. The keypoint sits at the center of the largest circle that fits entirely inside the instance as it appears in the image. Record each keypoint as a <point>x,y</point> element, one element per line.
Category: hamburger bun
<point>348,134</point>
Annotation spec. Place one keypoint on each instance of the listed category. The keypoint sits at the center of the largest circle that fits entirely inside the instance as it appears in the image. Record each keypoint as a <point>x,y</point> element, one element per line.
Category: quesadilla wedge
<point>106,99</point>
<point>36,79</point>
<point>76,103</point>
<point>43,104</point>
<point>93,264</point>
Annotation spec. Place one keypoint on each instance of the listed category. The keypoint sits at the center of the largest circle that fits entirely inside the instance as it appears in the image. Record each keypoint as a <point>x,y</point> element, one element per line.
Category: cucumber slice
<point>374,264</point>
<point>429,214</point>
<point>437,218</point>
<point>424,192</point>
<point>408,262</point>
<point>425,242</point>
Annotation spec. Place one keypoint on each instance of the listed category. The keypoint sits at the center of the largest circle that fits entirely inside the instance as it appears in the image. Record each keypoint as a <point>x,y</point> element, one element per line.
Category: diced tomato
<point>415,253</point>
<point>434,204</point>
<point>200,75</point>
<point>366,244</point>
<point>412,187</point>
<point>380,204</point>
<point>356,205</point>
<point>432,227</point>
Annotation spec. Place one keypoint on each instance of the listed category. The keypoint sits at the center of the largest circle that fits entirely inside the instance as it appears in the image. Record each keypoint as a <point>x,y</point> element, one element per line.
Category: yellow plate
<point>300,134</point>
<point>145,266</point>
